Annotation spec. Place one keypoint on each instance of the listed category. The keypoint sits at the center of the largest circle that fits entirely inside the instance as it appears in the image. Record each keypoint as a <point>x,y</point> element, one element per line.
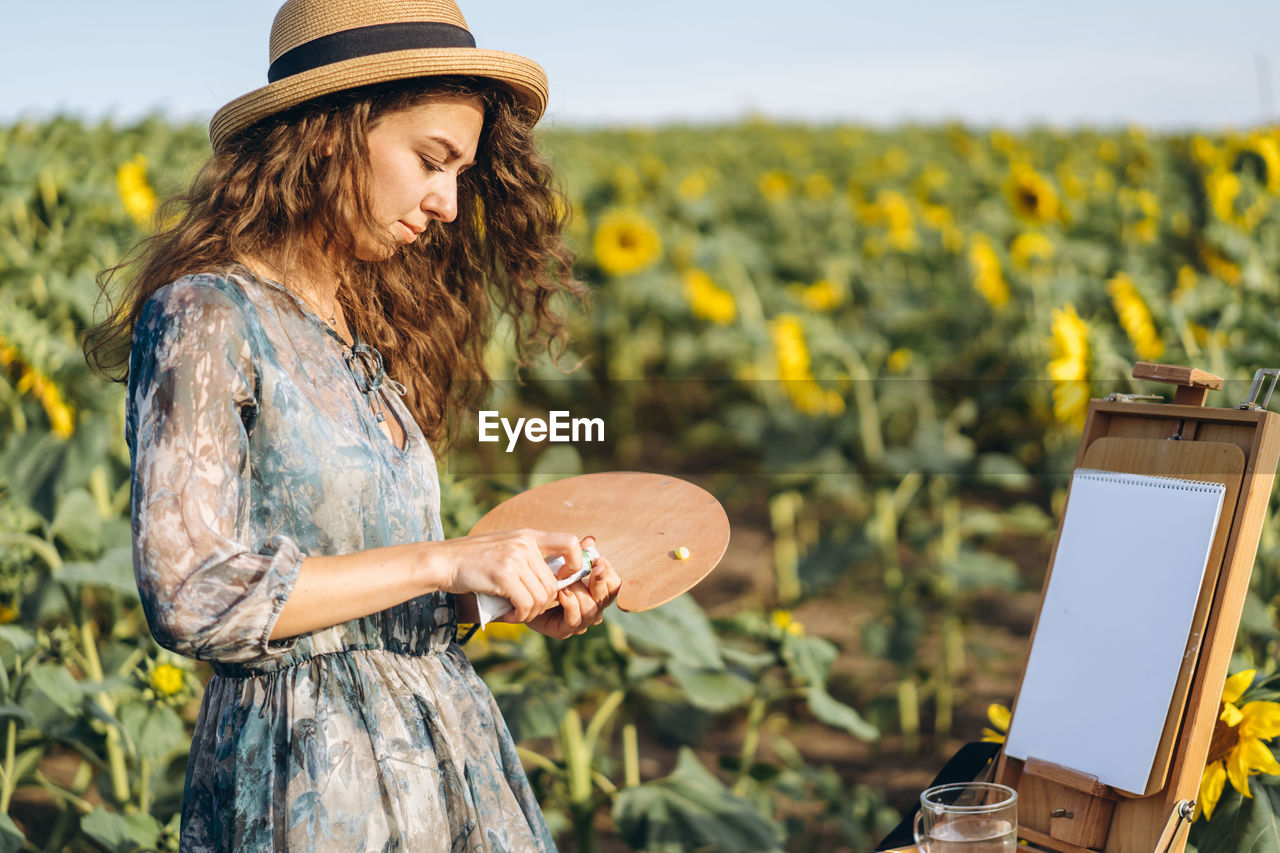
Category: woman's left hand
<point>582,604</point>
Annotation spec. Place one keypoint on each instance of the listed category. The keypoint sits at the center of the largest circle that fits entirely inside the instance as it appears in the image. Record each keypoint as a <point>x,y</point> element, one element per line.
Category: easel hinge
<point>1252,403</point>
<point>1176,829</point>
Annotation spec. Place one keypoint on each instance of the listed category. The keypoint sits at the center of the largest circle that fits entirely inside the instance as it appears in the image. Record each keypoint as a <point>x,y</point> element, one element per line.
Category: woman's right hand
<point>508,563</point>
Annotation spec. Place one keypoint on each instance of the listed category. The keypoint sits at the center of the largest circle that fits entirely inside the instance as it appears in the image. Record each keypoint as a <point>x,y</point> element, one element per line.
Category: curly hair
<point>429,308</point>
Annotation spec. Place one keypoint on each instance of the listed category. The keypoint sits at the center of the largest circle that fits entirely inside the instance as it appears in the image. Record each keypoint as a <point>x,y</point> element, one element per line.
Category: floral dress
<point>255,443</point>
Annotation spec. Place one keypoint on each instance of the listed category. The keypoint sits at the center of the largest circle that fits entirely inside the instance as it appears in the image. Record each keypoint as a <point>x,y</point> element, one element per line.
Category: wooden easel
<point>1060,809</point>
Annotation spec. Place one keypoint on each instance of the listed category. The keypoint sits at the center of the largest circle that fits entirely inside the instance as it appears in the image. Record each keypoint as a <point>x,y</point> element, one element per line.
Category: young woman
<point>293,343</point>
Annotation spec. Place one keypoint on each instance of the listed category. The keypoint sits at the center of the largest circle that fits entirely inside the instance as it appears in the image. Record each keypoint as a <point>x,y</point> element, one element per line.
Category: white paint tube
<point>490,607</point>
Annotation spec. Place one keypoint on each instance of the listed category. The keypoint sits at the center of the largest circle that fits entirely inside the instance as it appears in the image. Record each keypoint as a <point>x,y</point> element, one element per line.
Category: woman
<point>358,218</point>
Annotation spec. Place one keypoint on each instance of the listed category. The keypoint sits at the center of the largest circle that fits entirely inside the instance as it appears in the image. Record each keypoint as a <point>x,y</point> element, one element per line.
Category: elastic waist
<point>291,660</point>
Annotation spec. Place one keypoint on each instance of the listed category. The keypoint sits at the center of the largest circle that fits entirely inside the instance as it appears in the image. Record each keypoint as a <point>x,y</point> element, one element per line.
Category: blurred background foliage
<point>875,346</point>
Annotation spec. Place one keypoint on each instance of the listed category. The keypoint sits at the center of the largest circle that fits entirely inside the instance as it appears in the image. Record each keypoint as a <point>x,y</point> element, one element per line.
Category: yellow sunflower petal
<point>1237,684</point>
<point>1211,782</point>
<point>1257,758</point>
<point>1261,720</point>
<point>1231,715</point>
<point>999,716</point>
<point>992,736</point>
<point>1238,771</point>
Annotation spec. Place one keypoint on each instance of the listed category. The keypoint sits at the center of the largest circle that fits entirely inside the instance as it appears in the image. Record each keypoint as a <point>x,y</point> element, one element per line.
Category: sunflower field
<point>875,346</point>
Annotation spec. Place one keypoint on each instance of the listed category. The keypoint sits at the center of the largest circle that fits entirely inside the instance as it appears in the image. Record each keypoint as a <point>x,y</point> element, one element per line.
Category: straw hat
<point>319,47</point>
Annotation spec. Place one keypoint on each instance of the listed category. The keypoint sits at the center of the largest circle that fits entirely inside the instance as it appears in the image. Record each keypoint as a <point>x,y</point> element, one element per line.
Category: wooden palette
<point>638,521</point>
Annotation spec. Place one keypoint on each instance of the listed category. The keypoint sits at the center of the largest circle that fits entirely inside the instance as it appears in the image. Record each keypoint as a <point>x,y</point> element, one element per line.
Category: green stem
<point>115,749</point>
<point>10,771</point>
<point>611,703</point>
<point>578,765</point>
<point>63,795</point>
<point>909,715</point>
<point>58,834</point>
<point>786,553</point>
<point>864,396</point>
<point>604,782</point>
<point>750,744</point>
<point>144,787</point>
<point>135,657</point>
<point>42,547</point>
<point>528,756</point>
<point>631,754</point>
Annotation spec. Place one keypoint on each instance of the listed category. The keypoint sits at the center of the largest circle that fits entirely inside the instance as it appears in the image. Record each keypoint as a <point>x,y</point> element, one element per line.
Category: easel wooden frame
<point>1066,811</point>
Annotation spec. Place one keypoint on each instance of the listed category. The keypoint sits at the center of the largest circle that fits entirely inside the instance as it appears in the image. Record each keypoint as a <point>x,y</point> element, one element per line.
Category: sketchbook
<point>1115,624</point>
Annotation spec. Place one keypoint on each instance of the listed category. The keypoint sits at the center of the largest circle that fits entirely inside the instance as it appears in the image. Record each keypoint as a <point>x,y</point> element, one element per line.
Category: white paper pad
<point>1115,624</point>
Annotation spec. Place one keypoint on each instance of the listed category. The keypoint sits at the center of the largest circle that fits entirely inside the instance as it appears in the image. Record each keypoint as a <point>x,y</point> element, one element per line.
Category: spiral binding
<point>1148,480</point>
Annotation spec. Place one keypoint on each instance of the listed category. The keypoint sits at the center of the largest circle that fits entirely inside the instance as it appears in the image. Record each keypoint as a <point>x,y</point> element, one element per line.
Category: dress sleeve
<point>206,592</point>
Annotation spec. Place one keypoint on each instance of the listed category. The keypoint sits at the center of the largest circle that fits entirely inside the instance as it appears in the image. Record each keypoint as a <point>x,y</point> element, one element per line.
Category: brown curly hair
<point>430,307</point>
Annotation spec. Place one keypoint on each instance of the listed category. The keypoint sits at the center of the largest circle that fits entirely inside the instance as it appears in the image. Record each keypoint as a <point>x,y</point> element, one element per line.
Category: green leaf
<point>21,639</point>
<point>77,522</point>
<point>711,690</point>
<point>809,658</point>
<point>113,570</point>
<point>745,659</point>
<point>534,709</point>
<point>1003,471</point>
<point>121,833</point>
<point>555,463</point>
<point>642,667</point>
<point>53,680</point>
<point>1254,618</point>
<point>679,628</point>
<point>973,569</point>
<point>11,838</point>
<point>156,730</point>
<point>692,809</point>
<point>22,715</point>
<point>835,713</point>
<point>1257,824</point>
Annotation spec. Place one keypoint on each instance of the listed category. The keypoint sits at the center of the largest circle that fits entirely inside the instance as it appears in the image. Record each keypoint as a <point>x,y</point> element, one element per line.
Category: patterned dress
<point>254,444</point>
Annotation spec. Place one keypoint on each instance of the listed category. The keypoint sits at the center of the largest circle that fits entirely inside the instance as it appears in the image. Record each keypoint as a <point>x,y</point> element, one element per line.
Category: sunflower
<point>999,716</point>
<point>988,278</point>
<point>899,360</point>
<point>1219,264</point>
<point>821,296</point>
<point>626,243</point>
<point>1069,368</point>
<point>784,622</point>
<point>1260,154</point>
<point>1231,203</point>
<point>62,417</point>
<point>136,194</point>
<point>1135,317</point>
<point>707,299</point>
<point>792,354</point>
<point>1031,195</point>
<point>897,214</point>
<point>775,186</point>
<point>1030,247</point>
<point>1237,750</point>
<point>166,679</point>
<point>693,187</point>
<point>818,186</point>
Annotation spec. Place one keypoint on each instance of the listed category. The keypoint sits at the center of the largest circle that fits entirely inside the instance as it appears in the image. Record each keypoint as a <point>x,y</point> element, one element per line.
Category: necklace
<point>332,319</point>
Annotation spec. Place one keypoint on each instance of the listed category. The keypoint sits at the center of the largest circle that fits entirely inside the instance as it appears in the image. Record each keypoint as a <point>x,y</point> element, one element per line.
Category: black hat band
<point>368,41</point>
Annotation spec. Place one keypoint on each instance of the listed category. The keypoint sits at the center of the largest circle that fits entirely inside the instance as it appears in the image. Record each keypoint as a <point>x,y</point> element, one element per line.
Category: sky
<point>1167,64</point>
